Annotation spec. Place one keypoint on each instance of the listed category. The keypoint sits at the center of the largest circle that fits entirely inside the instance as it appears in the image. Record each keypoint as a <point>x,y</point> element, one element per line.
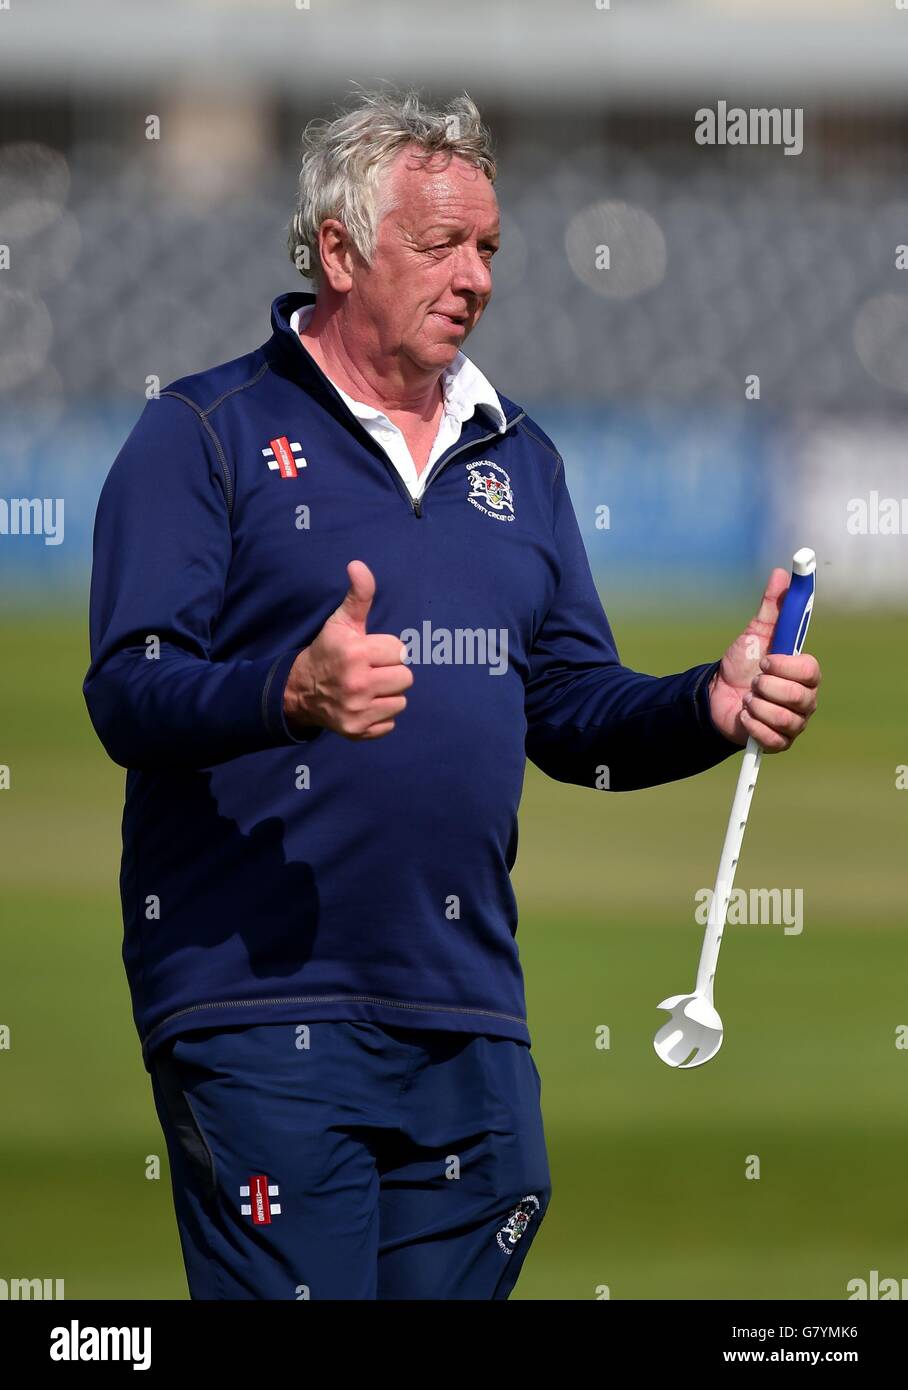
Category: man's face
<point>430,278</point>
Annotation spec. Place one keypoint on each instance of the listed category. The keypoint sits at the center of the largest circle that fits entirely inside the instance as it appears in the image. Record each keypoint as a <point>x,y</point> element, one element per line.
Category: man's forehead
<point>426,190</point>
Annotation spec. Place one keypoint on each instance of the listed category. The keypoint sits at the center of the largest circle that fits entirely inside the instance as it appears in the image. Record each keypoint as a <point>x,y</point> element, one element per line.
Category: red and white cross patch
<point>260,1206</point>
<point>284,457</point>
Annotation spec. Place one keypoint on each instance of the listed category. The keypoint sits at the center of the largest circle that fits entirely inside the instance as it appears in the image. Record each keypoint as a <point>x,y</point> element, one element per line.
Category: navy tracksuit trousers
<point>348,1160</point>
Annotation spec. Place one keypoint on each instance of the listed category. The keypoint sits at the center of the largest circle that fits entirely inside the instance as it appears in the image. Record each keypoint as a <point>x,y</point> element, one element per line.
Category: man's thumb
<point>776,586</point>
<point>358,599</point>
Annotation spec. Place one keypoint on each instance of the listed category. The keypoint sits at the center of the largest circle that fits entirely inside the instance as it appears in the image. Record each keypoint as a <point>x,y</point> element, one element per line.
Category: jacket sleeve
<point>161,552</point>
<point>592,721</point>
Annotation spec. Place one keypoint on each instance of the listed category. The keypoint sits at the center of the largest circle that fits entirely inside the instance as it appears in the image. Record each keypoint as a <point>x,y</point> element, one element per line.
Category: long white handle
<point>790,632</point>
<point>728,863</point>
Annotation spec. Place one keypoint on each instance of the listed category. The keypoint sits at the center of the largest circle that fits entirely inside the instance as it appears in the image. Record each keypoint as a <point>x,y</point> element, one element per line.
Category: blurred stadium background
<point>131,259</point>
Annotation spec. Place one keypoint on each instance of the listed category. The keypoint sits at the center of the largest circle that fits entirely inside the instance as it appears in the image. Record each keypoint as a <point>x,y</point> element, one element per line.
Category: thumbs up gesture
<point>347,680</point>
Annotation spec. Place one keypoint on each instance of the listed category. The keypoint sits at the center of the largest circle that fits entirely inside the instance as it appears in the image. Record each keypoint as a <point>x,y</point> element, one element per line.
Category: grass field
<point>650,1195</point>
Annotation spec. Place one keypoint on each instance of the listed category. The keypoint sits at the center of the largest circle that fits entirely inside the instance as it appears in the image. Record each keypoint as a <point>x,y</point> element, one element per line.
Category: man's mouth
<point>456,321</point>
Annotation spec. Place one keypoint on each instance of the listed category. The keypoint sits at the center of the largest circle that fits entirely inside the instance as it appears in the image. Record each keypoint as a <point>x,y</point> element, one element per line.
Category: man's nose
<point>472,274</point>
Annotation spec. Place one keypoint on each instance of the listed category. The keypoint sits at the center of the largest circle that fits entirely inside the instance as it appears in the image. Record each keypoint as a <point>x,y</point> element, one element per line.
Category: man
<point>322,789</point>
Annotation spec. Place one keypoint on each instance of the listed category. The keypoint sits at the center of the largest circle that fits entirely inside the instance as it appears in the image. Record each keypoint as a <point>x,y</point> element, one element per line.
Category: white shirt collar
<point>465,386</point>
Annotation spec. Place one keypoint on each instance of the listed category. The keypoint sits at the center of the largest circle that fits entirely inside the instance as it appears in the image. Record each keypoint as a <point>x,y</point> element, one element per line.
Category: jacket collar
<point>465,387</point>
<point>287,356</point>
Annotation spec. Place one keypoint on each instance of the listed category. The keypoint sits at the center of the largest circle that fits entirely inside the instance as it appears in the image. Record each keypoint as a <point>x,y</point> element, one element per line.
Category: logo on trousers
<point>260,1206</point>
<point>517,1222</point>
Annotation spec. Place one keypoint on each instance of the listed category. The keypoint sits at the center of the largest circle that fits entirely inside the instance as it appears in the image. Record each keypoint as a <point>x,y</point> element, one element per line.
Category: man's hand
<point>769,697</point>
<point>346,680</point>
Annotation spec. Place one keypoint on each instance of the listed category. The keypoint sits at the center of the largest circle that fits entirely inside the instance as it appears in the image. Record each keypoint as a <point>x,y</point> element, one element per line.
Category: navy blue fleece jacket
<point>271,875</point>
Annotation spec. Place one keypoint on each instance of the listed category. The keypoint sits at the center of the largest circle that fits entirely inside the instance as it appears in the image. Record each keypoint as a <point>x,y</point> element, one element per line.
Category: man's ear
<point>337,255</point>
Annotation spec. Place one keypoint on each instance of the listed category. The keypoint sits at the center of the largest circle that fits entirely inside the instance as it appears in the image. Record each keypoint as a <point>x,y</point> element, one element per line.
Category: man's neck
<point>388,384</point>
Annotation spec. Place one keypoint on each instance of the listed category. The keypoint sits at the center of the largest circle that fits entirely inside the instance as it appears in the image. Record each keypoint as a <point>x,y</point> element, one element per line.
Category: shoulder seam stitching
<point>210,430</point>
<point>203,414</point>
<point>548,447</point>
<point>233,389</point>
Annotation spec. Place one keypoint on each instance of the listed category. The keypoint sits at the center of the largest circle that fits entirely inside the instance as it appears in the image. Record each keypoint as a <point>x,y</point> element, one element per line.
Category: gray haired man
<point>328,992</point>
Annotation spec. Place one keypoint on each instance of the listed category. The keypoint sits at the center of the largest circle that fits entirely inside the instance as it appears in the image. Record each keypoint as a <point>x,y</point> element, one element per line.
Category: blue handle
<point>794,619</point>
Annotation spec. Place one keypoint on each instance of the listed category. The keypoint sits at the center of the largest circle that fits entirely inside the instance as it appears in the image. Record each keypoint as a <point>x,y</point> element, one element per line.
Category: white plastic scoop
<point>693,1034</point>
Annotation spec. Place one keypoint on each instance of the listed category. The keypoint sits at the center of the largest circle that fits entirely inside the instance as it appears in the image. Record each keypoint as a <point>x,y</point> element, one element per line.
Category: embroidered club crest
<point>517,1222</point>
<point>490,490</point>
